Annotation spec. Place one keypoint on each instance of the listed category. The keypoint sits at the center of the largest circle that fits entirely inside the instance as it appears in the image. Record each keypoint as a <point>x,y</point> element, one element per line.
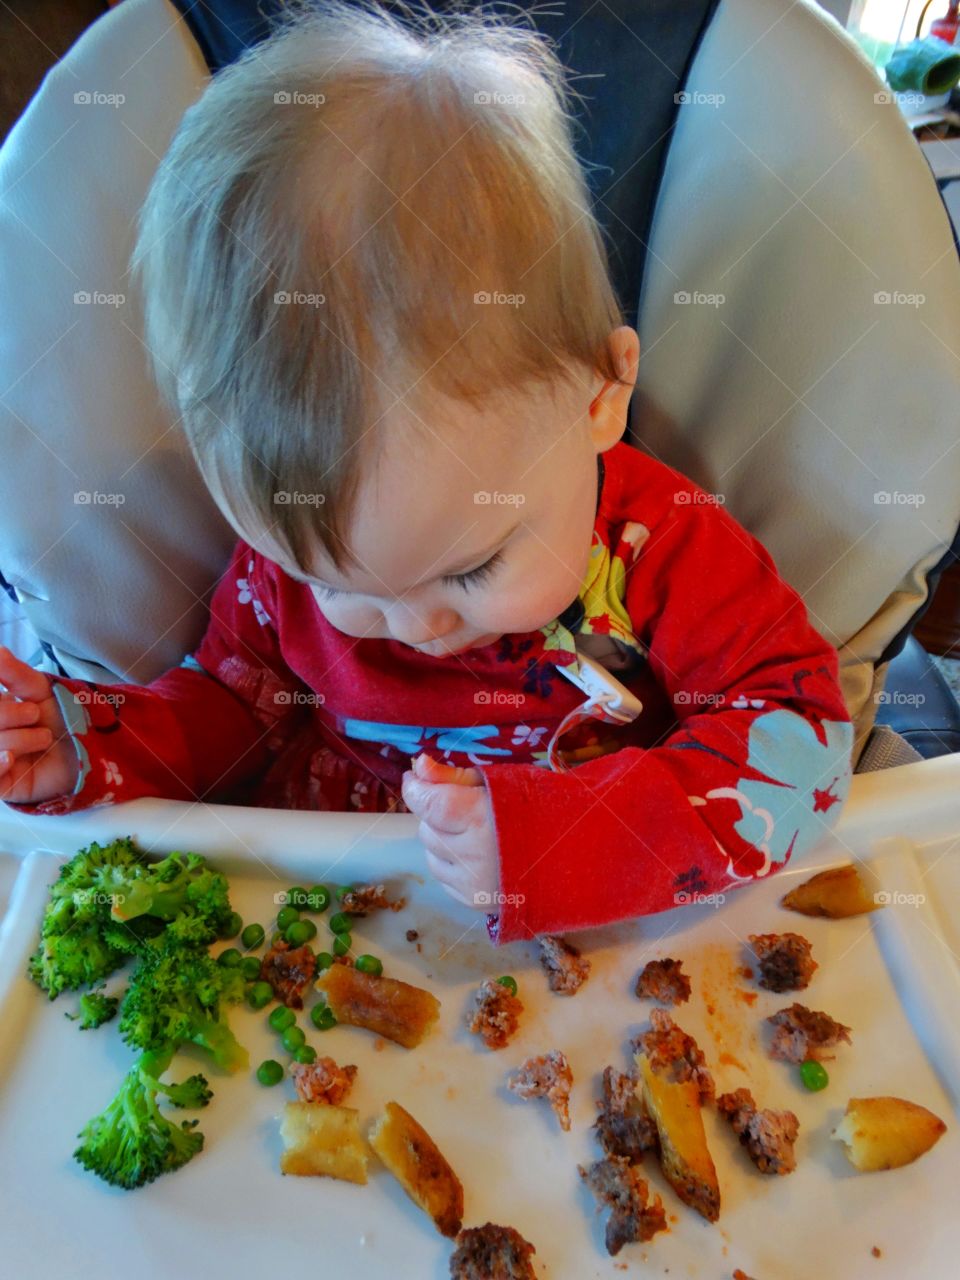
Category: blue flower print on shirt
<point>782,818</point>
<point>412,738</point>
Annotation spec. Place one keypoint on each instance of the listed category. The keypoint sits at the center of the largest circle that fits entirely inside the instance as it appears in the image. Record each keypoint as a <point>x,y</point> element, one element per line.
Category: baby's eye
<point>478,575</point>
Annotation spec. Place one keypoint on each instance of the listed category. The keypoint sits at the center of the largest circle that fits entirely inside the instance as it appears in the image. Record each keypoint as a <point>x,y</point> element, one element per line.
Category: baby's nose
<point>415,626</point>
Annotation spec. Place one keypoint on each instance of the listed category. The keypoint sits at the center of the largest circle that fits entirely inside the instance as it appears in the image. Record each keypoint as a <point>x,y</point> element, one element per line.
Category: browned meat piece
<point>675,1054</point>
<point>803,1033</point>
<point>566,970</point>
<point>768,1136</point>
<point>623,1127</point>
<point>364,898</point>
<point>617,1183</point>
<point>289,972</point>
<point>496,1015</point>
<point>665,981</point>
<point>492,1253</point>
<point>784,961</point>
<point>322,1081</point>
<point>548,1076</point>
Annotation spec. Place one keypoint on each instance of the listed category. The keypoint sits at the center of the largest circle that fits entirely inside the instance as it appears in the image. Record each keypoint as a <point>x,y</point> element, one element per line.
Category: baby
<point>378,302</point>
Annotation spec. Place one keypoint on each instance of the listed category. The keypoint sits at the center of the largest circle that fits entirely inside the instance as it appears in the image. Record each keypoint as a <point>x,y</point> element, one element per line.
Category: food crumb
<point>412,935</point>
<point>378,1044</point>
<point>748,997</point>
<point>876,1252</point>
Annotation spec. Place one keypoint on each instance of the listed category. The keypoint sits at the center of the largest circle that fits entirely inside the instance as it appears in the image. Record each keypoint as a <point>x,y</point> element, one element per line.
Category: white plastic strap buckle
<point>604,689</point>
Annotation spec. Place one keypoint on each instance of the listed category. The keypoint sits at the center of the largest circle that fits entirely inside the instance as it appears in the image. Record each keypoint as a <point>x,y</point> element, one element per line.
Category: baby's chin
<point>449,649</point>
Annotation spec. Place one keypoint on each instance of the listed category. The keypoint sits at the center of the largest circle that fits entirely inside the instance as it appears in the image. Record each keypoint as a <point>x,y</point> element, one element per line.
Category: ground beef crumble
<point>673,1053</point>
<point>548,1076</point>
<point>768,1136</point>
<point>491,1252</point>
<point>289,972</point>
<point>565,968</point>
<point>496,1013</point>
<point>784,960</point>
<point>623,1126</point>
<point>618,1184</point>
<point>322,1080</point>
<point>664,980</point>
<point>803,1034</point>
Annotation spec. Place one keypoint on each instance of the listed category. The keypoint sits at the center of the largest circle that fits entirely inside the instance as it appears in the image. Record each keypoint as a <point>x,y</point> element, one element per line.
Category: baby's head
<point>378,301</point>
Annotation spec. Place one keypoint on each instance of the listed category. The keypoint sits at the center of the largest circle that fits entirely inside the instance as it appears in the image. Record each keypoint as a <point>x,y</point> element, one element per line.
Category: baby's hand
<point>456,828</point>
<point>37,759</point>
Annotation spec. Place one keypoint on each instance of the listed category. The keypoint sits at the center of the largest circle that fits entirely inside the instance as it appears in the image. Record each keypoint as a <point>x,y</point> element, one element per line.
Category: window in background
<point>879,26</point>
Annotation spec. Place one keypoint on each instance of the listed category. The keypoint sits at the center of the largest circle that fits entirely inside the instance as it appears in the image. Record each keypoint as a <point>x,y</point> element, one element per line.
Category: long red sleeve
<point>201,729</point>
<point>756,771</point>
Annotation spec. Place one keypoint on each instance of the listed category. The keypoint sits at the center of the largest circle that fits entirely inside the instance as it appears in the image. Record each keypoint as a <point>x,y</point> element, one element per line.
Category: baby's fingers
<point>445,806</point>
<point>22,680</point>
<point>14,714</point>
<point>23,742</point>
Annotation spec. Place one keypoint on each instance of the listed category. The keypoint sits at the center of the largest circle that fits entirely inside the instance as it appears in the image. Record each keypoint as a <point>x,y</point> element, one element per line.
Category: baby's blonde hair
<point>397,168</point>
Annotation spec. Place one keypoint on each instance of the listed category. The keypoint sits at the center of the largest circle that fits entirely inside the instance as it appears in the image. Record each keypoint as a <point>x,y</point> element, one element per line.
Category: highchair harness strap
<point>607,700</point>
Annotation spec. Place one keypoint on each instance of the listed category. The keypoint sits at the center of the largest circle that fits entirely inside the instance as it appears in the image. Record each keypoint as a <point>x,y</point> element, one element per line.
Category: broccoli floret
<point>95,1010</point>
<point>132,1141</point>
<point>109,902</point>
<point>180,885</point>
<point>192,1092</point>
<point>177,994</point>
<point>74,949</point>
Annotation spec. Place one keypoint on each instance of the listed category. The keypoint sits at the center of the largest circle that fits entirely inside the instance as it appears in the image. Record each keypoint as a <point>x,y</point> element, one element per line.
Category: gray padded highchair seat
<point>798,398</point>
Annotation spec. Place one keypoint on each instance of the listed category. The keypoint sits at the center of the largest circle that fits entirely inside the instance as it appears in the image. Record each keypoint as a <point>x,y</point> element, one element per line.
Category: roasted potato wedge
<point>415,1161</point>
<point>885,1133</point>
<point>685,1159</point>
<point>386,1006</point>
<point>321,1139</point>
<point>836,893</point>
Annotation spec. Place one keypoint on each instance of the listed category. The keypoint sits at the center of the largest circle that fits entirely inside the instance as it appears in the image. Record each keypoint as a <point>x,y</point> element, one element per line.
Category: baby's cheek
<point>528,607</point>
<point>358,620</point>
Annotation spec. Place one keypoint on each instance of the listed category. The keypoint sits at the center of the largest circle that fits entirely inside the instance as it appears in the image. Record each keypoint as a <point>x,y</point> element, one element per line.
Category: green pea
<point>293,1039</point>
<point>299,932</point>
<point>340,923</point>
<point>281,1018</point>
<point>369,964</point>
<point>297,896</point>
<point>342,944</point>
<point>322,1017</point>
<point>342,890</point>
<point>509,983</point>
<point>324,960</point>
<point>270,1072</point>
<point>231,958</point>
<point>252,936</point>
<point>286,917</point>
<point>306,1053</point>
<point>259,994</point>
<point>318,899</point>
<point>251,968</point>
<point>814,1075</point>
<point>232,925</point>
